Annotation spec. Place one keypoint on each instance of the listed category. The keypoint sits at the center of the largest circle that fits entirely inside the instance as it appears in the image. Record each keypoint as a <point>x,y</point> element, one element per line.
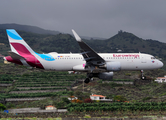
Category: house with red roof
<point>50,107</point>
<point>97,97</point>
<point>161,79</point>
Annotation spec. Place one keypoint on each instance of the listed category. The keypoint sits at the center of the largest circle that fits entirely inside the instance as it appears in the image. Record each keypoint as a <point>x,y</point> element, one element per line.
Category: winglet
<point>76,36</point>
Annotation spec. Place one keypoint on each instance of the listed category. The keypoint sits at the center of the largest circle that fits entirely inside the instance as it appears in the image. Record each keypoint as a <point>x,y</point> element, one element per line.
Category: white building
<point>161,79</point>
<point>97,97</point>
<point>50,107</point>
<point>72,98</point>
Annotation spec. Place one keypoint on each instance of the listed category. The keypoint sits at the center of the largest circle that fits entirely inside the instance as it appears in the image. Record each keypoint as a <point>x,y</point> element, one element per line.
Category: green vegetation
<point>33,80</point>
<point>56,86</point>
<point>146,98</point>
<point>61,102</point>
<point>2,107</point>
<point>32,95</point>
<point>120,98</point>
<point>138,98</point>
<point>117,106</point>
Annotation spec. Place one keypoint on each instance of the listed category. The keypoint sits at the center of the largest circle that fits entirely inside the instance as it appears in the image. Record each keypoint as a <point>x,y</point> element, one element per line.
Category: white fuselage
<point>76,62</point>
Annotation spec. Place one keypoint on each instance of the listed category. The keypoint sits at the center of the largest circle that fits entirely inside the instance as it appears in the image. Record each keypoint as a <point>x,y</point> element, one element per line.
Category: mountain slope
<point>28,28</point>
<point>65,43</point>
<point>129,43</point>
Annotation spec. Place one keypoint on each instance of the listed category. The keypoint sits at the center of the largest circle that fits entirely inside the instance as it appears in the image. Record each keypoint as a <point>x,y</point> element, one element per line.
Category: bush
<point>60,104</point>
<point>120,98</point>
<point>128,74</point>
<point>76,101</point>
<point>97,101</point>
<point>2,107</point>
<point>10,105</point>
<point>66,100</point>
<point>99,81</point>
<point>146,98</point>
<point>88,100</point>
<point>79,94</point>
<point>106,97</point>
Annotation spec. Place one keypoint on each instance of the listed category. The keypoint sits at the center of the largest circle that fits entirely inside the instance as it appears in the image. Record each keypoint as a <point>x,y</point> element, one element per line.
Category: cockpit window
<point>153,58</point>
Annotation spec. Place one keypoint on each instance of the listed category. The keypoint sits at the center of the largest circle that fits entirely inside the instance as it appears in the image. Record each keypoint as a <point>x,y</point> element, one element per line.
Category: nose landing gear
<point>142,75</point>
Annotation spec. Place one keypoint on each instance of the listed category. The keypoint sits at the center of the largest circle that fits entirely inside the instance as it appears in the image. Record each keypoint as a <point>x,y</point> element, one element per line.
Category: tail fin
<point>17,44</point>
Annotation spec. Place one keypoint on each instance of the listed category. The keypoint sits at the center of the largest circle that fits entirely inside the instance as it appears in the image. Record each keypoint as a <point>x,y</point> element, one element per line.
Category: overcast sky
<point>94,18</point>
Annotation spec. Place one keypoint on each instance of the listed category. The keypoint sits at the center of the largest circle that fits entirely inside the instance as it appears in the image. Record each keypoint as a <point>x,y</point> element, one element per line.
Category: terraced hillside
<point>20,82</point>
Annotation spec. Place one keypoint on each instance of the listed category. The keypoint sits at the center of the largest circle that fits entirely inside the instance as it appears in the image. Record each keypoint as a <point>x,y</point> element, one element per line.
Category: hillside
<point>28,28</point>
<point>18,76</point>
<point>29,88</point>
<point>127,42</point>
<point>24,84</point>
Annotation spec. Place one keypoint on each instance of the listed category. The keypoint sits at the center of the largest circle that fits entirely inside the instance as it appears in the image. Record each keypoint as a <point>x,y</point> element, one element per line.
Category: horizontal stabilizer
<point>15,56</point>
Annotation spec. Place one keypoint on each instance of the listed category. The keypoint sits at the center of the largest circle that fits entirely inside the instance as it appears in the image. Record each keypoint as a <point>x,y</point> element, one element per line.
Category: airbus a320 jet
<point>94,64</point>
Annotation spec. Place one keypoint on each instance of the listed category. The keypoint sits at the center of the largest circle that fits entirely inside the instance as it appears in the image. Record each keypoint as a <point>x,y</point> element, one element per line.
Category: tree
<point>60,104</point>
<point>79,95</point>
<point>70,93</point>
<point>66,100</point>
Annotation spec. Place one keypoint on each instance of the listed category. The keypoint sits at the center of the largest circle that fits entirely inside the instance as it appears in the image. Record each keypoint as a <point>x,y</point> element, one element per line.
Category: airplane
<point>101,65</point>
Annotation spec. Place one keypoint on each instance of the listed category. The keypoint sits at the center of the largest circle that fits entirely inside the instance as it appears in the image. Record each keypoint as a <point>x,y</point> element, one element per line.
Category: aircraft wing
<point>90,56</point>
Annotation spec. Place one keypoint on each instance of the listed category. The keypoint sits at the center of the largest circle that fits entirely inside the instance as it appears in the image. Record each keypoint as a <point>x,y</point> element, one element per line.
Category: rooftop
<point>98,95</point>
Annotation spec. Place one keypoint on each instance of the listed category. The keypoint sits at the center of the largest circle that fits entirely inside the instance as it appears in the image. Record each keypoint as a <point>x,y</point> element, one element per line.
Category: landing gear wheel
<point>143,78</point>
<point>87,80</point>
<point>142,75</point>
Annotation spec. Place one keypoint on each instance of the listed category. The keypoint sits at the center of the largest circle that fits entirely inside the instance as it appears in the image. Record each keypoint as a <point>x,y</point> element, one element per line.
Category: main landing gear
<point>142,75</point>
<point>89,78</point>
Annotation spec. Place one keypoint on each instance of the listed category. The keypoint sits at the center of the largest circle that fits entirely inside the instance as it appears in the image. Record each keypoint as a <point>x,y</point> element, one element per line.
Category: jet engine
<point>113,66</point>
<point>104,75</point>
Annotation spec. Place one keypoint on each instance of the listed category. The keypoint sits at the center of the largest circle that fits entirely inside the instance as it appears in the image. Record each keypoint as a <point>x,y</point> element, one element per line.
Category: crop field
<point>20,82</point>
<point>117,106</point>
<point>29,88</point>
<point>37,84</point>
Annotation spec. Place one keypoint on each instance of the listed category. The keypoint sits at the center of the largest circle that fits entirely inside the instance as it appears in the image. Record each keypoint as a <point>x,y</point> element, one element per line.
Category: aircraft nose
<point>160,64</point>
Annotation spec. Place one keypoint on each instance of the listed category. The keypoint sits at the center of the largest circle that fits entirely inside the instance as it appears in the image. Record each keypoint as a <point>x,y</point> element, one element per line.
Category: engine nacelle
<point>106,75</point>
<point>113,66</point>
